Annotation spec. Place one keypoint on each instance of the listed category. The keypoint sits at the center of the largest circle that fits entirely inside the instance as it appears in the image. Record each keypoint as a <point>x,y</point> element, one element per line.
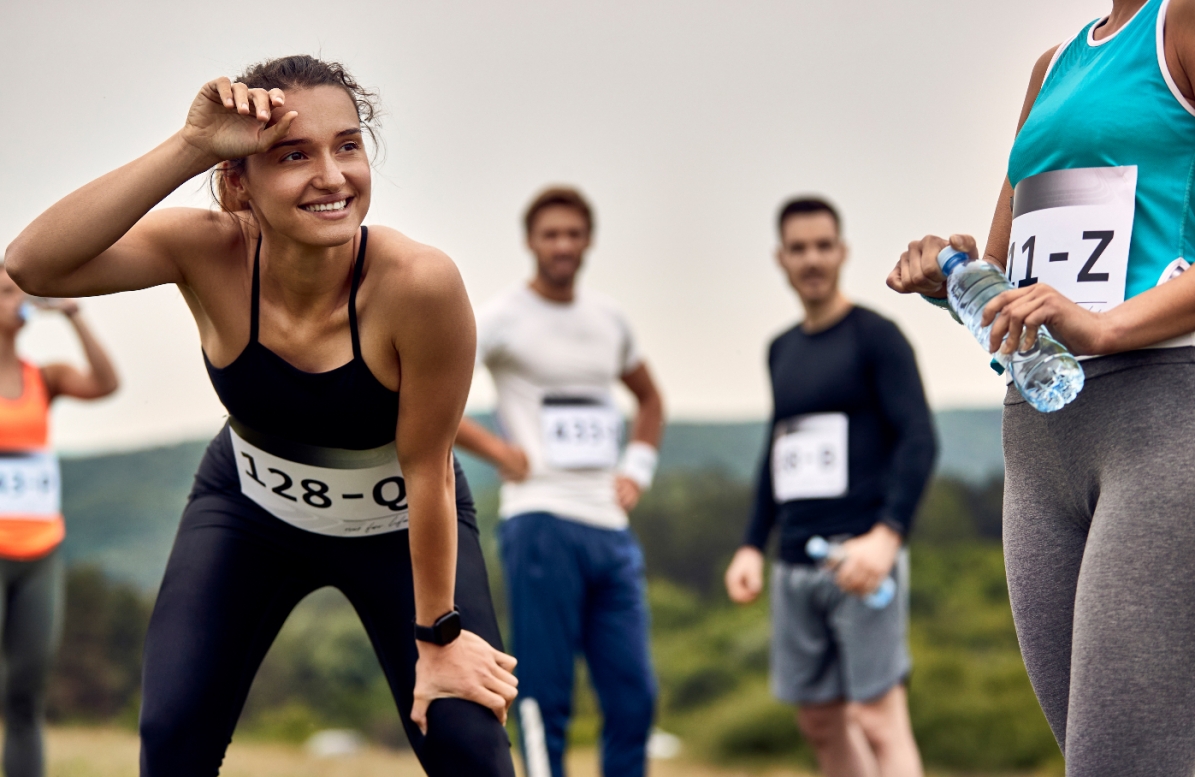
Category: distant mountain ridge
<point>122,509</point>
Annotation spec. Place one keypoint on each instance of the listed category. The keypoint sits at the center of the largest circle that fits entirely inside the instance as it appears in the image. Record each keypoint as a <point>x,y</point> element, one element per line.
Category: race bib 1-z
<point>1071,229</point>
<point>809,457</point>
<point>580,432</point>
<point>30,486</point>
<point>341,493</point>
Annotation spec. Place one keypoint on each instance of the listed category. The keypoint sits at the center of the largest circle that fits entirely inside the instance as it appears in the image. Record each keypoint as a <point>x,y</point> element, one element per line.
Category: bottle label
<point>809,457</point>
<point>1071,230</point>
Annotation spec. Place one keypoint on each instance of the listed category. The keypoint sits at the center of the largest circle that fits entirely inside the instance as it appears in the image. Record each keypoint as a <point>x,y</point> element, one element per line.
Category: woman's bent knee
<point>465,738</point>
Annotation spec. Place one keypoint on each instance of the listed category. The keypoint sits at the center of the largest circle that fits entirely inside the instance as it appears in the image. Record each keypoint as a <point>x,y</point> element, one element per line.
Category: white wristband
<point>639,464</point>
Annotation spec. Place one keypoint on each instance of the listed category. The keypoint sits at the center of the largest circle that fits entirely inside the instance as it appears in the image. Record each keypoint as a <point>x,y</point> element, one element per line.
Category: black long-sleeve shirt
<point>864,368</point>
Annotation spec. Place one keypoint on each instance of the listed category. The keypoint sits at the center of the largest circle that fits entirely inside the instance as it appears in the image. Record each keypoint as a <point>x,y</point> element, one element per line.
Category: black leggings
<point>234,576</point>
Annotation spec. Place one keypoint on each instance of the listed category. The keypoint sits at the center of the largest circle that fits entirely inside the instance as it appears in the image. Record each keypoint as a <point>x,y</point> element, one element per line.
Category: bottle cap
<point>817,548</point>
<point>950,257</point>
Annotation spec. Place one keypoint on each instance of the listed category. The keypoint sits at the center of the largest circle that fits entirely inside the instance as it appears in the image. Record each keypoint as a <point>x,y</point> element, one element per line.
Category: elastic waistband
<point>314,455</point>
<point>1145,357</point>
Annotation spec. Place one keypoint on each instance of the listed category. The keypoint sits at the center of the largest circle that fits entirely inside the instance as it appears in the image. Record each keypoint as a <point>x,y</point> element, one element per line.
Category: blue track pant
<point>575,589</point>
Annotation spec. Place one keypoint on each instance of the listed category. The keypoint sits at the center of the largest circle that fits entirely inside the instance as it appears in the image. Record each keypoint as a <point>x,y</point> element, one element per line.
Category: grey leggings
<point>31,613</point>
<point>1099,543</point>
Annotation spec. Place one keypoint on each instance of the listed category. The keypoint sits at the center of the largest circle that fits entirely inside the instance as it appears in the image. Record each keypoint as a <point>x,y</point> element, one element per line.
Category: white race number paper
<point>809,457</point>
<point>30,486</point>
<point>325,500</point>
<point>580,434</point>
<point>1071,230</point>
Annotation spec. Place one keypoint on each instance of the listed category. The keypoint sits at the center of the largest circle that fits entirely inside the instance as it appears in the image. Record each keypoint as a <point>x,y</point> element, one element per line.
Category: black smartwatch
<point>446,628</point>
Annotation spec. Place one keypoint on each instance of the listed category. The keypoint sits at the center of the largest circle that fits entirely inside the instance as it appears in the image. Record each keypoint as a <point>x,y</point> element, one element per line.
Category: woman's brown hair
<point>296,72</point>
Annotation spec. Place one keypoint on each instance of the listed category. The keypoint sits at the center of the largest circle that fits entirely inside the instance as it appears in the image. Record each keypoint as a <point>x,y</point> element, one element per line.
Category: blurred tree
<point>97,674</point>
<point>690,524</point>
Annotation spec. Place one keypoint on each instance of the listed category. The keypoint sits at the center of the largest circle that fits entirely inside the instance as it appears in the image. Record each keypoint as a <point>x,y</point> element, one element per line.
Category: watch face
<point>448,628</point>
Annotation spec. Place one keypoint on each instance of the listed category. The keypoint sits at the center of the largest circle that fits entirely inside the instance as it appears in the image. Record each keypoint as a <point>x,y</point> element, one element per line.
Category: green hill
<point>122,508</point>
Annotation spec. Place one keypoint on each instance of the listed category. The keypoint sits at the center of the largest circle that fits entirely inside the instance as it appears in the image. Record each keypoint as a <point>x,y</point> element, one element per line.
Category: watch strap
<point>443,631</point>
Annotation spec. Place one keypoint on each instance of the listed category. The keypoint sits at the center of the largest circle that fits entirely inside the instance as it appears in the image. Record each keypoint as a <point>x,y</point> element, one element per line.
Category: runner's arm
<point>744,575</point>
<point>99,239</point>
<point>763,511</point>
<point>638,466</point>
<point>435,339</point>
<point>510,460</point>
<point>903,405</point>
<point>102,238</point>
<point>649,420</point>
<point>99,380</point>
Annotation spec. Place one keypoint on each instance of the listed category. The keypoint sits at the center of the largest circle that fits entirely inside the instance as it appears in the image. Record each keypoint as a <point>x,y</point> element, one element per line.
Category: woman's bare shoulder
<point>411,269</point>
<point>191,234</point>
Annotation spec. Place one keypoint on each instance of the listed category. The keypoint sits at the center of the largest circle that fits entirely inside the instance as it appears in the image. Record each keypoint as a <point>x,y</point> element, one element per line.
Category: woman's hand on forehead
<point>231,121</point>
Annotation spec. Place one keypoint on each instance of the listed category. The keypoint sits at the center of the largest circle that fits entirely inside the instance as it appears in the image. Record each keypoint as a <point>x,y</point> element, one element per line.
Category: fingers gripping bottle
<point>823,551</point>
<point>1046,374</point>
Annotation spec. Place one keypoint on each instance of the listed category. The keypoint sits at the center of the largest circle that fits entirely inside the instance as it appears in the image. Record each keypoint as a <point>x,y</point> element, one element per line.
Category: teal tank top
<point>1112,103</point>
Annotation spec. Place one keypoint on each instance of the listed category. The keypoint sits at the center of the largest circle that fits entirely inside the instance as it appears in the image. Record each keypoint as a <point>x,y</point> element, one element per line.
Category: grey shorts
<point>828,645</point>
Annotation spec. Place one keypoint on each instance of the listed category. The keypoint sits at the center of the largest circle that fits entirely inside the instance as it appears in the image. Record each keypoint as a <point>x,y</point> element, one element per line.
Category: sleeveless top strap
<point>357,267</point>
<point>255,306</point>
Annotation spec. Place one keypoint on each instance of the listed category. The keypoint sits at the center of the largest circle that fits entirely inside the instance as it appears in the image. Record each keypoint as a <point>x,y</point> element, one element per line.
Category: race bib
<point>1071,229</point>
<point>30,486</point>
<point>341,493</point>
<point>809,457</point>
<point>580,432</point>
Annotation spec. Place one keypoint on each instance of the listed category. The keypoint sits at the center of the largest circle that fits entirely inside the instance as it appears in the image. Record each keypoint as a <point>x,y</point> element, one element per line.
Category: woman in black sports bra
<point>344,356</point>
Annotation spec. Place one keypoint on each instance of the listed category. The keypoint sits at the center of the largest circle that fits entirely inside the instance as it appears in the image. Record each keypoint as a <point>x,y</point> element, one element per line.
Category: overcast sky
<point>685,122</point>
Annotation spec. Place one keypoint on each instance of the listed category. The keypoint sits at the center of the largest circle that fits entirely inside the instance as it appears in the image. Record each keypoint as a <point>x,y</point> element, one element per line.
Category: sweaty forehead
<point>322,109</point>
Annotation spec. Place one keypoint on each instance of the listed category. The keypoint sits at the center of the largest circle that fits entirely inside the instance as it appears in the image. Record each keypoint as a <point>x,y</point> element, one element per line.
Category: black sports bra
<point>346,407</point>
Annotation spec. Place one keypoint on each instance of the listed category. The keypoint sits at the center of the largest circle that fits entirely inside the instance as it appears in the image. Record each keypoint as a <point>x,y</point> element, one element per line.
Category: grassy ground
<point>107,752</point>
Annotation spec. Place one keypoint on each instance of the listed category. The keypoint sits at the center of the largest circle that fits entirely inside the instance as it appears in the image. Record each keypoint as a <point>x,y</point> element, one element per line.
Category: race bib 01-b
<point>30,486</point>
<point>1071,229</point>
<point>809,457</point>
<point>341,493</point>
<point>580,432</point>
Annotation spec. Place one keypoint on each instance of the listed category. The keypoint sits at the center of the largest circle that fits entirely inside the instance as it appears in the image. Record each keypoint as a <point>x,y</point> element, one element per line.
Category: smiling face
<point>812,253</point>
<point>314,185</point>
<point>559,237</point>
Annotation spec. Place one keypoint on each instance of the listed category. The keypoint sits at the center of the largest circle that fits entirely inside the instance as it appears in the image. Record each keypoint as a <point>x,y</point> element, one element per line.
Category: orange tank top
<point>31,522</point>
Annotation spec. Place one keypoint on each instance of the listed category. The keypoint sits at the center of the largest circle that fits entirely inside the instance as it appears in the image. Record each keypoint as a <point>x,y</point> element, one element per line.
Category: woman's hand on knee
<point>467,668</point>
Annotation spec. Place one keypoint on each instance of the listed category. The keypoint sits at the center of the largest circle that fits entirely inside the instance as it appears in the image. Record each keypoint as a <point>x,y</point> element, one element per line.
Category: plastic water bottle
<point>822,550</point>
<point>1046,374</point>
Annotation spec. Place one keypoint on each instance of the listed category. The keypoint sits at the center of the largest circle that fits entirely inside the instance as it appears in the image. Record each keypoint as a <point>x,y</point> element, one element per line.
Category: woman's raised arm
<point>98,240</point>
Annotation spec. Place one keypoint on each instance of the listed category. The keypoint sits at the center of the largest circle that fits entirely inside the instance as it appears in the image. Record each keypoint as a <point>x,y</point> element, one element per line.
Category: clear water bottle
<point>822,550</point>
<point>1046,374</point>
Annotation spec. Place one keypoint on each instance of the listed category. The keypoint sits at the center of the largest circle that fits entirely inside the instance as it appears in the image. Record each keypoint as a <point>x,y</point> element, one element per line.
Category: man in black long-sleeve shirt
<point>851,449</point>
